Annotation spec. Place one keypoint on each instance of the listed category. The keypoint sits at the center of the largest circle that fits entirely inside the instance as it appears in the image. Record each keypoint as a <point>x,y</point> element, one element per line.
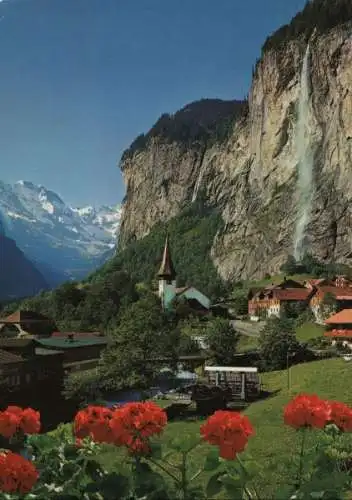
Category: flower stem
<point>164,469</point>
<point>301,455</point>
<point>197,474</point>
<point>184,477</point>
<point>246,490</point>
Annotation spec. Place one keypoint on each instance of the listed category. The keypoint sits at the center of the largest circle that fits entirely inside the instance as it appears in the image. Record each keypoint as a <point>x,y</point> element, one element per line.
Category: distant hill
<point>18,275</point>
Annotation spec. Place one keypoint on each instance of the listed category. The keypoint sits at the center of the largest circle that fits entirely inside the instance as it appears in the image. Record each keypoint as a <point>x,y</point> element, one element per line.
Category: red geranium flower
<point>307,410</point>
<point>134,423</point>
<point>9,424</point>
<point>229,431</point>
<point>15,419</point>
<point>17,475</point>
<point>93,421</point>
<point>30,421</point>
<point>341,416</point>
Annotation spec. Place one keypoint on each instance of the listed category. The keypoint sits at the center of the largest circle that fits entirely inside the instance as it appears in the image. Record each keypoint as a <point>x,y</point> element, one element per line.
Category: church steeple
<point>167,270</point>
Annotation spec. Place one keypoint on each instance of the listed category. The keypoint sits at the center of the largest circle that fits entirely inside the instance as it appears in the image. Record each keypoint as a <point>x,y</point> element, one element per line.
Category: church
<point>168,290</point>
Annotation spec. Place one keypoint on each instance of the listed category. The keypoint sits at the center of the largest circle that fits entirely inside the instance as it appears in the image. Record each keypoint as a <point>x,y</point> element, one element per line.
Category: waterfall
<point>305,158</point>
<point>198,183</point>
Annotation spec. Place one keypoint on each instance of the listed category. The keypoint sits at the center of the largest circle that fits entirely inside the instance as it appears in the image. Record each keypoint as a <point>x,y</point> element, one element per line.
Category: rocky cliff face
<point>252,176</point>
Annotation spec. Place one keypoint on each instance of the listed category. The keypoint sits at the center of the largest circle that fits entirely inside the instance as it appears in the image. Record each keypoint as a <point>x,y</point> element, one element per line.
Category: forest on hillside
<point>200,123</point>
<point>319,15</point>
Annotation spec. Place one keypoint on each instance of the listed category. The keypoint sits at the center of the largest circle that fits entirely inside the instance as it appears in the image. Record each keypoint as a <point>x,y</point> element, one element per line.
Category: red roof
<point>343,317</point>
<point>292,294</point>
<point>340,293</point>
<point>339,333</point>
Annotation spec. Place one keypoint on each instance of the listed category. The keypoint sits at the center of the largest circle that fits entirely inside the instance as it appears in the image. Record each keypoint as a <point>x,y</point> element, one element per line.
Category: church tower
<point>167,276</point>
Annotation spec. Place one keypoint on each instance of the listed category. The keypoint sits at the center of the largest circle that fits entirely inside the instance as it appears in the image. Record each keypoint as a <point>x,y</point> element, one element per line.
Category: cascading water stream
<point>305,158</point>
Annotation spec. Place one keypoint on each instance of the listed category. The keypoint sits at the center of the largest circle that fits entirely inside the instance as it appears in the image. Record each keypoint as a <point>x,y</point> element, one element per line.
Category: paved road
<point>251,329</point>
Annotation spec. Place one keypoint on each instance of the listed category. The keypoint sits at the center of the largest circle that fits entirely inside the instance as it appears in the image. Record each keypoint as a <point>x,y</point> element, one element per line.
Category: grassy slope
<point>305,332</point>
<point>309,331</point>
<point>246,344</point>
<point>273,442</point>
<point>277,279</point>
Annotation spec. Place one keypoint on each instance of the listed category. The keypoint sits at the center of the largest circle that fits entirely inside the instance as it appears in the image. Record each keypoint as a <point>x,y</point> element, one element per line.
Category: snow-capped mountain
<point>67,240</point>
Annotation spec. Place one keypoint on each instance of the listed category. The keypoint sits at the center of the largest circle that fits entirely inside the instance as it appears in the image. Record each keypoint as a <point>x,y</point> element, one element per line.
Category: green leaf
<point>214,485</point>
<point>94,470</point>
<point>212,460</point>
<point>185,444</point>
<point>112,487</point>
<point>284,493</point>
<point>156,450</point>
<point>233,485</point>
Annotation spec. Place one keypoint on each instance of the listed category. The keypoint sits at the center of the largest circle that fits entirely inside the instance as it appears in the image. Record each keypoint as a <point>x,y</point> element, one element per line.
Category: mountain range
<point>62,242</point>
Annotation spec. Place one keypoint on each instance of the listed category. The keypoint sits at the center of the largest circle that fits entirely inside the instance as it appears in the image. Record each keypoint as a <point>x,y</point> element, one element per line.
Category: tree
<point>141,336</point>
<point>292,310</point>
<point>290,266</point>
<point>239,301</point>
<point>276,341</point>
<point>328,305</point>
<point>222,339</point>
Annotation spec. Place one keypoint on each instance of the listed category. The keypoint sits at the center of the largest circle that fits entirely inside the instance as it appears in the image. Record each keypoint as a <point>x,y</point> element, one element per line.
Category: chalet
<point>340,328</point>
<point>168,290</point>
<point>26,324</point>
<point>270,301</point>
<point>340,288</point>
<point>26,376</point>
<point>79,352</point>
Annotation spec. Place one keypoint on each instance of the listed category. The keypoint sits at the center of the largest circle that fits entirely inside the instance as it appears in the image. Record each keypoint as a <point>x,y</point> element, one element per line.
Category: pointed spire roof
<point>167,269</point>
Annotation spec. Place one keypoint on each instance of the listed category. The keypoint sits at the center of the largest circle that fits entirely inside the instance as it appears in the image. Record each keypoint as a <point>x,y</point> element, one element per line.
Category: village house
<point>339,288</point>
<point>26,324</point>
<point>340,328</point>
<point>270,301</point>
<point>168,290</point>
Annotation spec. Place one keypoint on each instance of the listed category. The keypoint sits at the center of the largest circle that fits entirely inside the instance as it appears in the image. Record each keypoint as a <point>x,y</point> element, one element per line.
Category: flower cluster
<point>15,420</point>
<point>341,416</point>
<point>307,410</point>
<point>229,431</point>
<point>17,475</point>
<point>134,423</point>
<point>130,425</point>
<point>93,422</point>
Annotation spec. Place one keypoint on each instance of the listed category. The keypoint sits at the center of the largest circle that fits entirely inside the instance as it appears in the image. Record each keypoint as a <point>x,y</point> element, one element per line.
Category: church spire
<point>167,269</point>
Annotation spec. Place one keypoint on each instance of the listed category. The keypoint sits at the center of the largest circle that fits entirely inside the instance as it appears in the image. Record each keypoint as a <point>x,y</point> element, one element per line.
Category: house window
<point>28,378</point>
<point>15,380</point>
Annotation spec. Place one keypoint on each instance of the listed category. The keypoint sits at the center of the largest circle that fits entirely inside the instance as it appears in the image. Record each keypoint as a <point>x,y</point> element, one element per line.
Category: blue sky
<point>80,79</point>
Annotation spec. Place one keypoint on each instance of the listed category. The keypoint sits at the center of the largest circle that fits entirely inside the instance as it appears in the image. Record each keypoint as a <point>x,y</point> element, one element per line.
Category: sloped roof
<point>15,342</point>
<point>292,294</point>
<point>24,316</point>
<point>64,343</point>
<point>343,317</point>
<point>167,269</point>
<point>315,282</point>
<point>181,290</point>
<point>75,334</point>
<point>8,358</point>
<point>340,293</point>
